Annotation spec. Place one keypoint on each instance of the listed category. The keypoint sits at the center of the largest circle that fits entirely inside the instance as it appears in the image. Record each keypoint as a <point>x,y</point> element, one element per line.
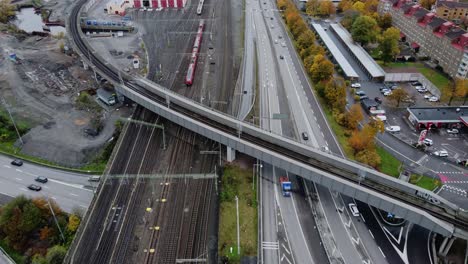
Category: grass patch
<point>237,181</point>
<point>425,182</point>
<point>390,165</point>
<point>338,130</point>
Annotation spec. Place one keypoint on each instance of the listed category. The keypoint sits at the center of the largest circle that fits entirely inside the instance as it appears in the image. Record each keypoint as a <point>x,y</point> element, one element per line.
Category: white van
<point>353,209</point>
<point>94,178</point>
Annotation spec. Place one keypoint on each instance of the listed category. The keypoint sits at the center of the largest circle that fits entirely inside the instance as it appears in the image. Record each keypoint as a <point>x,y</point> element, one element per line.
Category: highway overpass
<point>415,204</point>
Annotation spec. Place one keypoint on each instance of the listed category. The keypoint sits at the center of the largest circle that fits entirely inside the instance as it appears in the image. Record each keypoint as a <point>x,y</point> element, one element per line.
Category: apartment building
<point>451,10</point>
<point>429,35</point>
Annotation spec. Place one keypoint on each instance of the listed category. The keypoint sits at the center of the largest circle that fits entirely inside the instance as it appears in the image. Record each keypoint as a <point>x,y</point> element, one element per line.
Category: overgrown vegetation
<point>237,182</point>
<point>29,233</point>
<point>7,11</point>
<point>425,182</point>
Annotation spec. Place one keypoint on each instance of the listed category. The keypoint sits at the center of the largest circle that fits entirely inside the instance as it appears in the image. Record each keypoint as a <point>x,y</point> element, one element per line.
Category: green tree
<point>364,30</point>
<point>73,223</point>
<point>335,94</point>
<point>359,6</point>
<point>56,254</point>
<point>322,69</point>
<point>306,39</point>
<point>385,21</point>
<point>7,10</point>
<point>388,44</point>
<point>312,7</point>
<point>397,96</point>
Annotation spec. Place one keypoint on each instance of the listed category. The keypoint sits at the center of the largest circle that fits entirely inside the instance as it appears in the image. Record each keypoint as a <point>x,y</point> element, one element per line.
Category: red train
<point>194,57</point>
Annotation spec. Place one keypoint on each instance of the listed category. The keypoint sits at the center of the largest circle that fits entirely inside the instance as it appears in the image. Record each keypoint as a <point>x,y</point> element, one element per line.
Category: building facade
<point>437,117</point>
<point>451,10</point>
<point>430,36</point>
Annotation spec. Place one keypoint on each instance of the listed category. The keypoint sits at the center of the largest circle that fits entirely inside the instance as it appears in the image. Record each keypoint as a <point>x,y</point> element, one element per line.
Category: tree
<point>397,96</point>
<point>322,69</point>
<point>456,88</point>
<point>356,142</point>
<point>309,61</point>
<point>369,157</point>
<point>306,39</point>
<point>345,5</point>
<point>45,233</point>
<point>312,7</point>
<point>326,8</point>
<point>370,6</point>
<point>385,21</point>
<point>359,6</point>
<point>335,94</point>
<point>354,116</point>
<point>7,10</point>
<point>364,30</point>
<point>388,44</point>
<point>298,28</point>
<point>427,3</point>
<point>73,223</point>
<point>56,254</point>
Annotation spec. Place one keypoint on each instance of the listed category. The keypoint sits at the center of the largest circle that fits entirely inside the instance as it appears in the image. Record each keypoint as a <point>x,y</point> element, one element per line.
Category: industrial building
<point>118,7</point>
<point>430,36</point>
<point>438,117</point>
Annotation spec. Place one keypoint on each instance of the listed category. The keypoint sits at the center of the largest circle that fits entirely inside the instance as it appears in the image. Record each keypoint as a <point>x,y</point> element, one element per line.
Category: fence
<point>411,77</point>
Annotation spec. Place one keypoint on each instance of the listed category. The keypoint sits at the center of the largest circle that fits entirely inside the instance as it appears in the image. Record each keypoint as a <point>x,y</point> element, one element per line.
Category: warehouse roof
<point>447,114</point>
<point>340,59</point>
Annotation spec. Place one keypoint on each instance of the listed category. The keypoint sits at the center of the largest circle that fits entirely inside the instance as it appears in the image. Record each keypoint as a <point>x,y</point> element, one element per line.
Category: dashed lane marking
<point>19,179</point>
<point>6,166</point>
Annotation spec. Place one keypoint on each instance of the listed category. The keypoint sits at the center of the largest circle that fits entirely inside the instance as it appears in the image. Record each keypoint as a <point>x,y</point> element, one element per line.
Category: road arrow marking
<point>284,257</point>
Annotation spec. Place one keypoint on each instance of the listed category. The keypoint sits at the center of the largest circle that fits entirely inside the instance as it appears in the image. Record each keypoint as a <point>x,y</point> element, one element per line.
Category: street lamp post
<point>238,232</point>
<point>255,172</point>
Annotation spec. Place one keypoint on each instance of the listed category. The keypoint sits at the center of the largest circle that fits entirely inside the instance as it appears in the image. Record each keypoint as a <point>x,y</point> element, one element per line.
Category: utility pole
<point>238,234</point>
<point>55,219</point>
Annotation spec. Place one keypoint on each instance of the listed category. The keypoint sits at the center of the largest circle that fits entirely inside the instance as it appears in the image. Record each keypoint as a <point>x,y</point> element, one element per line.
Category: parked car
<point>387,93</point>
<point>382,118</point>
<point>462,162</point>
<point>416,84</point>
<point>393,129</point>
<point>150,9</point>
<point>360,93</point>
<point>378,100</point>
<point>363,97</point>
<point>383,91</point>
<point>422,90</point>
<point>434,99</point>
<point>41,179</point>
<point>353,209</point>
<point>452,131</point>
<point>34,187</point>
<point>428,142</point>
<point>281,57</point>
<point>305,136</point>
<point>427,96</point>
<point>17,162</point>
<point>441,153</point>
<point>356,85</point>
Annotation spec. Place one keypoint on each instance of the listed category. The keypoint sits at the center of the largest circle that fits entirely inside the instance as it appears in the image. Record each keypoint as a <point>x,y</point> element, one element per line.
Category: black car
<point>41,179</point>
<point>34,187</point>
<point>378,100</point>
<point>17,162</point>
<point>416,84</point>
<point>305,136</point>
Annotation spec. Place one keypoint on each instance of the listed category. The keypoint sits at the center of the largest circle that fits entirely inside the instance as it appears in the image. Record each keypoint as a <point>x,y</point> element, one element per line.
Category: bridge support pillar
<point>230,154</point>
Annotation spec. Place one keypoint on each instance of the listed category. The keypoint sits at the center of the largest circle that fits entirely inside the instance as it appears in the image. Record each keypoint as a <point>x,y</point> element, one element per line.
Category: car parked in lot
<point>363,97</point>
<point>422,90</point>
<point>387,93</point>
<point>281,57</point>
<point>378,100</point>
<point>356,85</point>
<point>353,209</point>
<point>428,142</point>
<point>360,93</point>
<point>393,129</point>
<point>452,131</point>
<point>305,136</point>
<point>17,162</point>
<point>380,117</point>
<point>434,99</point>
<point>427,96</point>
<point>34,187</point>
<point>41,179</point>
<point>383,91</point>
<point>441,153</point>
<point>416,84</point>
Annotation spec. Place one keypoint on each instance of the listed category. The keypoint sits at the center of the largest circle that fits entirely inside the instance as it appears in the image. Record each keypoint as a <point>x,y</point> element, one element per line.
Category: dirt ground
<point>41,91</point>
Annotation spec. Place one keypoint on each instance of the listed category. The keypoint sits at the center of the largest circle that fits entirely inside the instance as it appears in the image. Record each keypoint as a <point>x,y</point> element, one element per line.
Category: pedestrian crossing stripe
<point>270,245</point>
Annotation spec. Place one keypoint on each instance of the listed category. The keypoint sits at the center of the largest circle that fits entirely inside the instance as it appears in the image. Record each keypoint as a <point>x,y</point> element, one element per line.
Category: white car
<point>387,93</point>
<point>150,9</point>
<point>356,85</point>
<point>434,99</point>
<point>353,209</point>
<point>452,131</point>
<point>441,153</point>
<point>393,129</point>
<point>385,90</point>
<point>143,9</point>
<point>428,142</point>
<point>427,96</point>
<point>380,117</point>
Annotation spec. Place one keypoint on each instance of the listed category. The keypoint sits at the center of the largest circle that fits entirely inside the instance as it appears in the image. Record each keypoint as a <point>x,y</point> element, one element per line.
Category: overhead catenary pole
<point>238,231</point>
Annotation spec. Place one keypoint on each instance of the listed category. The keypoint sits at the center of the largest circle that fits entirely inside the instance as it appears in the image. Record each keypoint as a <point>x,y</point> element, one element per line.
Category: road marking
<point>421,159</point>
<point>23,189</point>
<point>270,245</point>
<point>78,186</point>
<point>285,248</point>
<point>86,207</point>
<point>53,197</point>
<point>18,170</point>
<point>32,174</point>
<point>19,179</point>
<point>73,194</point>
<point>284,257</point>
<point>382,252</point>
<point>6,166</point>
<point>372,235</point>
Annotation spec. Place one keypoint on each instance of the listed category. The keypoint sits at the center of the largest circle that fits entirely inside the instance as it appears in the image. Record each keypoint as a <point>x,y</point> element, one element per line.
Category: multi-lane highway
<point>69,190</point>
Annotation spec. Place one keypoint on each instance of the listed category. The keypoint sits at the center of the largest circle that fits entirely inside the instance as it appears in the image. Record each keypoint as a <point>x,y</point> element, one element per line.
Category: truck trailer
<point>285,186</point>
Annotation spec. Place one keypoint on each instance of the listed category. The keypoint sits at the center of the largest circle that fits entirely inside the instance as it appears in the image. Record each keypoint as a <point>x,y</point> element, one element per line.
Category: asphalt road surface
<point>69,190</point>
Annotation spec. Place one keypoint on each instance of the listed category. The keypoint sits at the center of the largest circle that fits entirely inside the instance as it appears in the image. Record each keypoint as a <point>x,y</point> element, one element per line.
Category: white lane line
<point>382,252</point>
<point>6,166</point>
<point>78,186</point>
<point>18,170</point>
<point>73,194</point>
<point>19,179</point>
<point>372,235</point>
<point>284,247</point>
<point>23,189</point>
<point>31,174</point>
<point>86,207</point>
